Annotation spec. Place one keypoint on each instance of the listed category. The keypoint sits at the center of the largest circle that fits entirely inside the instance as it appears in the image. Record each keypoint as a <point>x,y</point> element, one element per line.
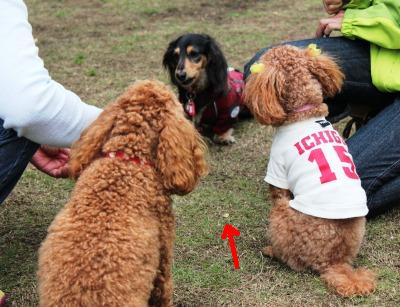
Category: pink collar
<point>304,108</point>
<point>119,154</point>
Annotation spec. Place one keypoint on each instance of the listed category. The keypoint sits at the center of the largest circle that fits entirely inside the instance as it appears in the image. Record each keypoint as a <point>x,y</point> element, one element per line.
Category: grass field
<point>97,48</point>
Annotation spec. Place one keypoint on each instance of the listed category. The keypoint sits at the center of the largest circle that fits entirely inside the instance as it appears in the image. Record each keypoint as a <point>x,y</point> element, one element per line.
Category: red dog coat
<point>221,114</point>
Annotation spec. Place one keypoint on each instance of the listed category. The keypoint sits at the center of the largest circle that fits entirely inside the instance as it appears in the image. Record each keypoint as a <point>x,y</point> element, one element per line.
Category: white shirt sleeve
<point>31,103</point>
<point>276,174</point>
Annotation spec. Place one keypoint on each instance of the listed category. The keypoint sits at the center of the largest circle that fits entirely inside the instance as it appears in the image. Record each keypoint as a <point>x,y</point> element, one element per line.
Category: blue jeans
<point>376,146</point>
<point>15,153</point>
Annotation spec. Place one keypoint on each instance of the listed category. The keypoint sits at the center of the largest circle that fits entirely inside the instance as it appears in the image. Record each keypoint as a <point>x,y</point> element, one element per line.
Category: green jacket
<point>377,21</point>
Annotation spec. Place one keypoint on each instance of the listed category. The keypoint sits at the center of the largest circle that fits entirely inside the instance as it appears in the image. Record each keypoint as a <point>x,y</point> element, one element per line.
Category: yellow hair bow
<point>257,68</point>
<point>313,50</point>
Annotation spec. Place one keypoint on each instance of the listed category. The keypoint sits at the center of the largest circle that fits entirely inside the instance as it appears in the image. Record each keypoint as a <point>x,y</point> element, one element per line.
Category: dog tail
<point>346,281</point>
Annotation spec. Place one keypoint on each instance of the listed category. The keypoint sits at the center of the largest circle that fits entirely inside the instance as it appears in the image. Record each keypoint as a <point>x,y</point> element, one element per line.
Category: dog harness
<point>310,159</point>
<point>221,114</point>
<point>123,156</point>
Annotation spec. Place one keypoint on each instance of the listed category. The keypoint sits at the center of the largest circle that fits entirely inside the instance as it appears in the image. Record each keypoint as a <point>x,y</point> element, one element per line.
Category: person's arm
<point>357,4</point>
<point>378,24</point>
<point>31,103</point>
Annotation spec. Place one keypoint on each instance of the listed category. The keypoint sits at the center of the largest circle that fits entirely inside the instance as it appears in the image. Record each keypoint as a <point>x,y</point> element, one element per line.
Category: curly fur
<point>291,79</point>
<point>112,243</point>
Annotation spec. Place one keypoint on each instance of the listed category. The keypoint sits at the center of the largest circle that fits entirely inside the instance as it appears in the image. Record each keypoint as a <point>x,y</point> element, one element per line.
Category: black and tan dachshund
<point>210,92</point>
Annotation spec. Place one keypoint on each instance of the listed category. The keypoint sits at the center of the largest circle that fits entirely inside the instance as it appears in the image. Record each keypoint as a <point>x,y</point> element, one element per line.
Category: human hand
<point>52,161</point>
<point>333,6</point>
<point>327,25</point>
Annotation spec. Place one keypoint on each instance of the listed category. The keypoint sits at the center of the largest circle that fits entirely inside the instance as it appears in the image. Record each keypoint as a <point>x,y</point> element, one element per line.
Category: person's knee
<point>15,154</point>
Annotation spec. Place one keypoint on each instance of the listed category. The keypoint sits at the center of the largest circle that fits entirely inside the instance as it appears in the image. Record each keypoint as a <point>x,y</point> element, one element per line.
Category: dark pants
<point>376,146</point>
<point>15,153</point>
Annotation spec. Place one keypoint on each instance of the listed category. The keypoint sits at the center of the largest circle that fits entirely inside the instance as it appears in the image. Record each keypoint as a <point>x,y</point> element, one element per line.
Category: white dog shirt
<point>311,160</point>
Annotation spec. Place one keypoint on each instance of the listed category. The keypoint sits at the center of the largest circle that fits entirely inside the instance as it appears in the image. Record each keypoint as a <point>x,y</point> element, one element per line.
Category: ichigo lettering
<point>315,139</point>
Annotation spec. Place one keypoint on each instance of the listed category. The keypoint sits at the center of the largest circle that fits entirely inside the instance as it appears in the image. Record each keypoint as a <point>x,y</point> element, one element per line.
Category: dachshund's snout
<point>180,75</point>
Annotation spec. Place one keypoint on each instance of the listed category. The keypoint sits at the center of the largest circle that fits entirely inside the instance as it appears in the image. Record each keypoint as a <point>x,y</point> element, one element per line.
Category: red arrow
<point>230,232</point>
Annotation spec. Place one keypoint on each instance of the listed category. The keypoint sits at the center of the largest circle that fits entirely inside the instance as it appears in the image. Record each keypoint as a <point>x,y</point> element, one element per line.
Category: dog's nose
<point>181,75</point>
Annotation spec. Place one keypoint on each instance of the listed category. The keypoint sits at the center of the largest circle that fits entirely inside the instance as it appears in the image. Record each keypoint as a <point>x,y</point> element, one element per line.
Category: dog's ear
<point>326,71</point>
<point>262,96</point>
<point>89,144</point>
<point>217,67</point>
<point>180,155</point>
<point>169,58</point>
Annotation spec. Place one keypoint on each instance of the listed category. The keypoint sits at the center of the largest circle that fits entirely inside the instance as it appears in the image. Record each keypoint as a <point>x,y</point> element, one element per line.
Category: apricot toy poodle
<point>317,220</point>
<point>112,243</point>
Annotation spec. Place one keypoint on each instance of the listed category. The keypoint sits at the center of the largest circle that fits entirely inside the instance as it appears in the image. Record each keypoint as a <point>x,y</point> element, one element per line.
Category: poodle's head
<point>146,122</point>
<point>289,84</point>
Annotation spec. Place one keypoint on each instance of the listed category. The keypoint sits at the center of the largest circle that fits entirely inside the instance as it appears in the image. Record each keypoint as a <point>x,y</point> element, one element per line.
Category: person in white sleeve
<point>34,109</point>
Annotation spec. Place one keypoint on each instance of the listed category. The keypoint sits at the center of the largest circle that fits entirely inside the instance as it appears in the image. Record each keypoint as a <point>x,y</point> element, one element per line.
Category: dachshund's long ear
<point>180,155</point>
<point>89,144</point>
<point>217,67</point>
<point>262,96</point>
<point>327,72</point>
<point>169,62</point>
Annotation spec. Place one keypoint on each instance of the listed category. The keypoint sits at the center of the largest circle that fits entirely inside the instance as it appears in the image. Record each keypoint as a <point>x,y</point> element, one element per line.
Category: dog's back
<point>105,244</point>
<point>112,243</point>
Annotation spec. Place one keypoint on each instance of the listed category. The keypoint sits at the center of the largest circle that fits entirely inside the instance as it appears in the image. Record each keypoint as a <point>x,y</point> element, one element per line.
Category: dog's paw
<point>267,251</point>
<point>225,139</point>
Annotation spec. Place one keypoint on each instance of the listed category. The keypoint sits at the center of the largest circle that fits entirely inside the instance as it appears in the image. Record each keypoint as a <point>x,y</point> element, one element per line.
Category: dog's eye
<point>195,56</point>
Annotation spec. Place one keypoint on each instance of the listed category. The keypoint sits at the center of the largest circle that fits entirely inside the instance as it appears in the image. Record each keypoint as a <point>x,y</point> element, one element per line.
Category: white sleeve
<point>31,103</point>
<point>276,174</point>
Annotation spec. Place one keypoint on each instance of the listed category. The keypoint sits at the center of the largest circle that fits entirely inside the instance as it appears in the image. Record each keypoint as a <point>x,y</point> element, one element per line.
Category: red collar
<point>123,156</point>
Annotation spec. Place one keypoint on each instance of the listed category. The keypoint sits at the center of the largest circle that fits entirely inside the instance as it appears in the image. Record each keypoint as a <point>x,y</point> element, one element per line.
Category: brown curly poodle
<point>287,87</point>
<point>112,243</point>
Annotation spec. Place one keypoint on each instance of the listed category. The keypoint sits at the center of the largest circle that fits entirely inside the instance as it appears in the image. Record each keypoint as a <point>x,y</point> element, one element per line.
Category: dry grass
<point>97,48</point>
